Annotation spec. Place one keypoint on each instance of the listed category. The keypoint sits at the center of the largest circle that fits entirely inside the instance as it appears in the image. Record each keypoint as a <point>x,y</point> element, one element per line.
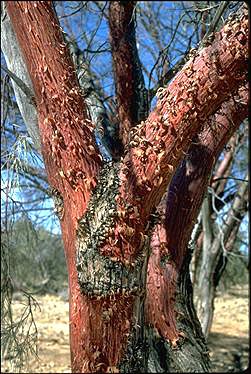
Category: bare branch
<point>129,80</point>
<point>69,150</point>
<point>207,226</point>
<point>222,7</point>
<point>185,195</point>
<point>22,85</point>
<point>15,64</point>
<point>158,144</point>
<point>105,132</point>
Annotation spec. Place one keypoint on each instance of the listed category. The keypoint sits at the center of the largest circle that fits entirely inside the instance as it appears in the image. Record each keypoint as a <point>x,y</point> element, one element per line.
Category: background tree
<point>31,263</point>
<point>219,226</point>
<point>107,209</point>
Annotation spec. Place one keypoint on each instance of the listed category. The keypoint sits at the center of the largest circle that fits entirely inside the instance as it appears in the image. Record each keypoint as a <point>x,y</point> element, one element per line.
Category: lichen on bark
<point>100,275</point>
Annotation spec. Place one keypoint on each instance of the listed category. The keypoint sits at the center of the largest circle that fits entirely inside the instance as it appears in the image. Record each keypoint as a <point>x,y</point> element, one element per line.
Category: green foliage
<point>36,258</point>
<point>18,333</point>
<point>236,271</point>
<point>32,261</point>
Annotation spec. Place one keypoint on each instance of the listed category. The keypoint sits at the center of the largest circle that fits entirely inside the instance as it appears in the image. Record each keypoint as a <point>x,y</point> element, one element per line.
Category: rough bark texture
<point>130,87</point>
<point>189,353</point>
<point>171,236</point>
<point>68,145</point>
<point>112,222</point>
<point>218,184</point>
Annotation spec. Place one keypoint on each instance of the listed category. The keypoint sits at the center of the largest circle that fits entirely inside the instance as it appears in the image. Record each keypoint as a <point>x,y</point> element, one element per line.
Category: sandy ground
<point>228,341</point>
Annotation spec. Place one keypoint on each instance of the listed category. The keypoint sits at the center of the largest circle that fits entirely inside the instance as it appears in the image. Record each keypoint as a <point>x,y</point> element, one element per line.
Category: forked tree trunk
<point>123,316</point>
<point>210,271</point>
<point>215,245</point>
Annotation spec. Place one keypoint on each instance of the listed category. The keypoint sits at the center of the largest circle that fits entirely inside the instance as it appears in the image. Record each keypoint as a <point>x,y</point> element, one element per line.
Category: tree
<point>218,232</point>
<point>26,247</point>
<point>125,234</point>
<point>39,251</point>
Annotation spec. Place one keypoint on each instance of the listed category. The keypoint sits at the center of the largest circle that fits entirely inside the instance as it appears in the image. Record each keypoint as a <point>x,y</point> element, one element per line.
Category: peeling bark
<point>189,352</point>
<point>170,238</point>
<point>68,145</point>
<point>106,323</point>
<point>131,93</point>
<point>158,144</point>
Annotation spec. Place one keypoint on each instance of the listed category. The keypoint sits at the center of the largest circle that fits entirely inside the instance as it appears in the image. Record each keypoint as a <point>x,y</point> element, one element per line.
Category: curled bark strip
<point>131,93</point>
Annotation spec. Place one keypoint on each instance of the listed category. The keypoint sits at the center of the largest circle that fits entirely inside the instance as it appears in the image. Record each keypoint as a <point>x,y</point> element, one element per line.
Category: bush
<point>36,261</point>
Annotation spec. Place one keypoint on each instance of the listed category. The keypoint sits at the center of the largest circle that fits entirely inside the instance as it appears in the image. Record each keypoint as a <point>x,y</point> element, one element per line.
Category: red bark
<point>158,144</point>
<point>72,160</point>
<point>123,52</point>
<point>68,145</point>
<point>170,238</point>
<point>72,163</point>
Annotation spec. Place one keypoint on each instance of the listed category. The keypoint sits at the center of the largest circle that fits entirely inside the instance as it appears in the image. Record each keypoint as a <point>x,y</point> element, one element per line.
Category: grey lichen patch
<point>99,275</point>
<point>164,260</point>
<point>58,203</point>
<point>136,356</point>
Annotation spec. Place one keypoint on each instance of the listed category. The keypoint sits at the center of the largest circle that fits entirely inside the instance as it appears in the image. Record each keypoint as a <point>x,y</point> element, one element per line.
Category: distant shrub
<point>36,259</point>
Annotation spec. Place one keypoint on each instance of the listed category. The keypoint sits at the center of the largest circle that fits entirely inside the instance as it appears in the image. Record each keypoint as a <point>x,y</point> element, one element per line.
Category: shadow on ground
<point>228,353</point>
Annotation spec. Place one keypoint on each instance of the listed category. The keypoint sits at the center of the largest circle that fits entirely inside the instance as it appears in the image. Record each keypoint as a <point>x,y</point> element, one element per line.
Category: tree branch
<point>185,195</point>
<point>21,85</point>
<point>166,78</point>
<point>158,145</point>
<point>16,65</point>
<point>105,132</point>
<point>222,7</point>
<point>129,80</point>
<point>238,209</point>
<point>207,226</point>
<point>224,168</point>
<point>68,144</point>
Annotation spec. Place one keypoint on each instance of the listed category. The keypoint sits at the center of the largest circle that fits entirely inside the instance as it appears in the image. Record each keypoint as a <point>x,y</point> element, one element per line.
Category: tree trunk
<point>189,352</point>
<point>214,247</point>
<point>119,318</point>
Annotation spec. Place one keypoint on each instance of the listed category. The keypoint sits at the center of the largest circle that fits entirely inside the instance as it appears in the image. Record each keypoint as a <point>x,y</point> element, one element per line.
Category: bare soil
<point>228,342</point>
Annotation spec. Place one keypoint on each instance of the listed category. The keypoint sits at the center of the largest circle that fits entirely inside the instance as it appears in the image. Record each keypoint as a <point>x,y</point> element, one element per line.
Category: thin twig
<point>26,90</point>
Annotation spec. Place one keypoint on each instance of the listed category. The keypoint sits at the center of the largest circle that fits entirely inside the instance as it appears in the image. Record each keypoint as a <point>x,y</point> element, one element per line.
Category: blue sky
<point>101,64</point>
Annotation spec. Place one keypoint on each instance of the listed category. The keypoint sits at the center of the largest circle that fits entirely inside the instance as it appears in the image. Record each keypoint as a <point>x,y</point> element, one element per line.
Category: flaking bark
<point>155,150</point>
<point>132,100</point>
<point>167,296</point>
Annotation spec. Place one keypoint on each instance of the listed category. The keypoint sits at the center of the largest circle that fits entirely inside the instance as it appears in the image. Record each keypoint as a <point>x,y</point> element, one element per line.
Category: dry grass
<point>228,341</point>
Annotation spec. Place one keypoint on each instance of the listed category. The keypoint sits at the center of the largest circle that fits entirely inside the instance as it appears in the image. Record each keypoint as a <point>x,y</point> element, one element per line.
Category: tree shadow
<point>228,353</point>
<point>239,295</point>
